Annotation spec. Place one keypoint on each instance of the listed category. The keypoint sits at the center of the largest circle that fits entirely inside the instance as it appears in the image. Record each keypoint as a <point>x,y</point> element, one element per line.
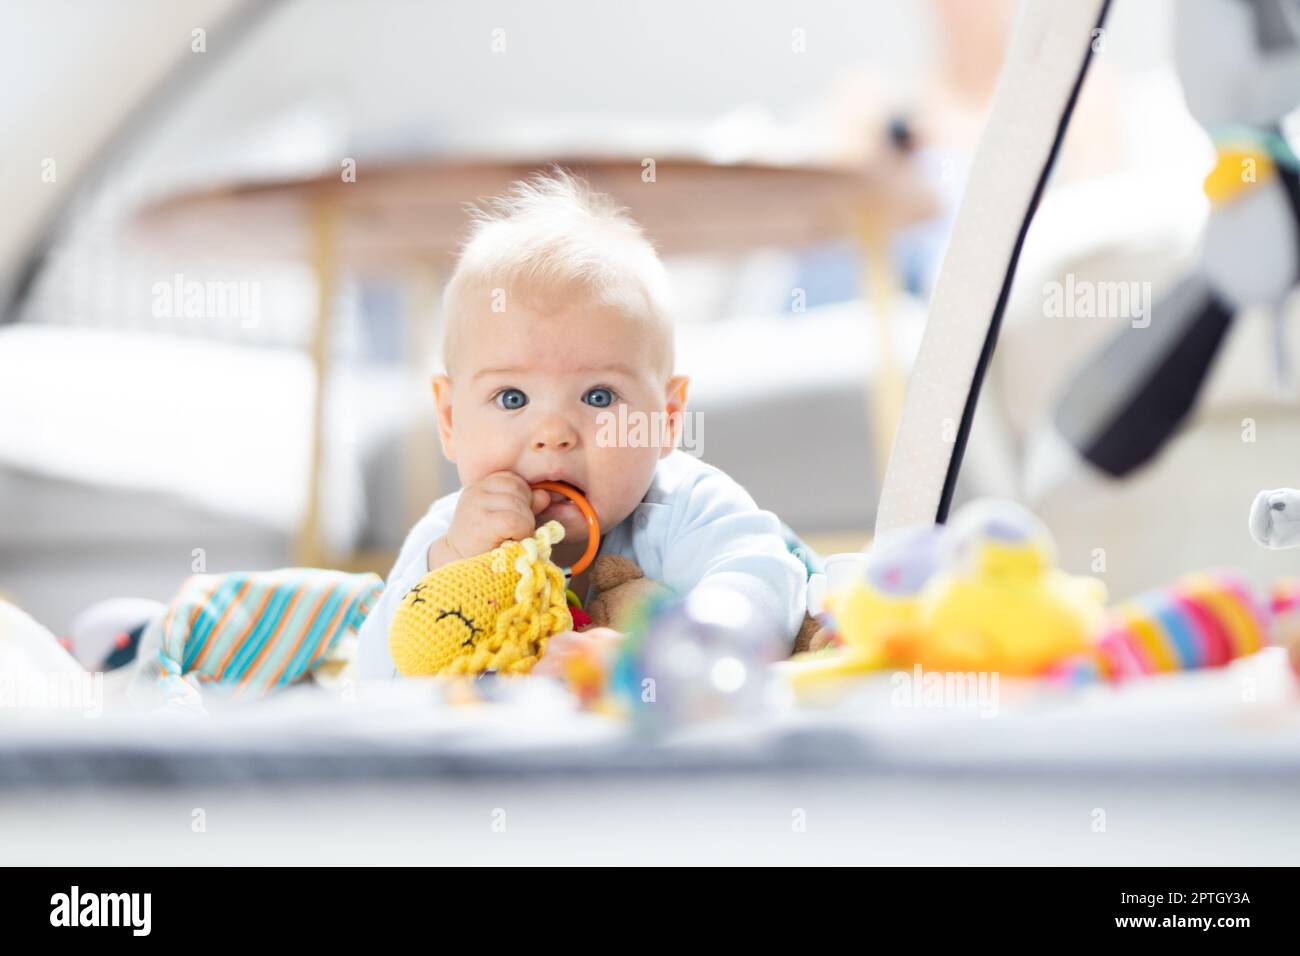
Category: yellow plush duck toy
<point>873,618</point>
<point>982,594</point>
<point>883,607</point>
<point>1004,606</point>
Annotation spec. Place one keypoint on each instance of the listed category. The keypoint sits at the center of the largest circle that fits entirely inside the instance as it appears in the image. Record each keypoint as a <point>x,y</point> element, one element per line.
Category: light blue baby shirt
<point>694,523</point>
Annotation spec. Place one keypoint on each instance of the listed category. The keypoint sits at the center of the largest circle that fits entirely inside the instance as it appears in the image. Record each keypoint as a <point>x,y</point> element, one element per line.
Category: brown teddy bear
<point>619,585</point>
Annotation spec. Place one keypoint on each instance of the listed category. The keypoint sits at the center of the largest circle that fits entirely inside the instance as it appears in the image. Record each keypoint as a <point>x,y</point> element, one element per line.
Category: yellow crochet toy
<point>493,612</point>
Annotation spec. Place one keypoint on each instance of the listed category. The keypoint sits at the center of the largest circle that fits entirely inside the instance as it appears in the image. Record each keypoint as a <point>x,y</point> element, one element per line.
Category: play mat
<point>950,644</point>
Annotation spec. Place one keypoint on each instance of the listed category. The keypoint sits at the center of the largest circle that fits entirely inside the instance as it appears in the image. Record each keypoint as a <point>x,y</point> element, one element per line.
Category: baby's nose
<point>554,435</point>
<point>542,443</point>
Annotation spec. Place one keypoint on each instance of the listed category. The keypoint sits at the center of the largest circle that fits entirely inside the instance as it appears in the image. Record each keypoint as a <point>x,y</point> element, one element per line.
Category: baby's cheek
<point>482,448</point>
<point>626,474</point>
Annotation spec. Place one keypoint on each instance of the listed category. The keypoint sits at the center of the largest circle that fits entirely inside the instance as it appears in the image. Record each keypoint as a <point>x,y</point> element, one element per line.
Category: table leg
<point>885,392</point>
<point>309,548</point>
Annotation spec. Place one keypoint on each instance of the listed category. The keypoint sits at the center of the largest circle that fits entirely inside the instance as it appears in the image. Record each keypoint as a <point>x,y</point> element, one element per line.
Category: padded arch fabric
<point>1047,59</point>
<point>1125,403</point>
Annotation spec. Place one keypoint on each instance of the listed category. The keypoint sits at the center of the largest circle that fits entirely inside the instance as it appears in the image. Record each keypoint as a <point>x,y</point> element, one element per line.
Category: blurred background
<point>227,225</point>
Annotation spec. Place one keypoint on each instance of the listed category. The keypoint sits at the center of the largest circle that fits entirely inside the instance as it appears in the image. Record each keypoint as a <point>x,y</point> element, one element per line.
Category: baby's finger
<point>563,642</point>
<point>509,525</point>
<point>512,503</point>
<point>548,666</point>
<point>540,500</point>
<point>505,482</point>
<point>559,649</point>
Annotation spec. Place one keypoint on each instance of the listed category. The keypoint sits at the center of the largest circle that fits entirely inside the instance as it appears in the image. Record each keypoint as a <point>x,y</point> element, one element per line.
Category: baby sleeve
<point>374,660</point>
<point>717,533</point>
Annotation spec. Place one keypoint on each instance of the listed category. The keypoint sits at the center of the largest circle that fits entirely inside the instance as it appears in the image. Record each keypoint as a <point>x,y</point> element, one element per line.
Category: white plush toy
<point>1275,518</point>
<point>1275,523</point>
<point>38,678</point>
<point>28,648</point>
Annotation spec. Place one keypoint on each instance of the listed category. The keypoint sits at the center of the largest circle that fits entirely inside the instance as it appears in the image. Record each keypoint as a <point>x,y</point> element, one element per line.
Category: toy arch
<point>1047,59</point>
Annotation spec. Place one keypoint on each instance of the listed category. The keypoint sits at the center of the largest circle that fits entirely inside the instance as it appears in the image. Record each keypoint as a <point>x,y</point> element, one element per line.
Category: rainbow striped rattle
<point>1205,620</point>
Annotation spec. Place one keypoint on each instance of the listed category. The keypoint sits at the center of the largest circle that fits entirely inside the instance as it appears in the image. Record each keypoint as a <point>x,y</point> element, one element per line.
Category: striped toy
<point>1285,599</point>
<point>1205,620</point>
<point>258,631</point>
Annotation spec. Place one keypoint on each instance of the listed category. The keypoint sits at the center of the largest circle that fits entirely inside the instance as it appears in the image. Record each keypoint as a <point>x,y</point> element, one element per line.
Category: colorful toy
<point>704,656</point>
<point>982,595</point>
<point>249,633</point>
<point>619,591</point>
<point>1004,606</point>
<point>1285,601</point>
<point>1206,620</point>
<point>621,600</point>
<point>494,611</point>
<point>988,598</point>
<point>895,572</point>
<point>586,675</point>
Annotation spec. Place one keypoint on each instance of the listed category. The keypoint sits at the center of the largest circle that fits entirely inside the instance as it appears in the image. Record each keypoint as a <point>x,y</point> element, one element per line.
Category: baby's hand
<point>597,644</point>
<point>500,507</point>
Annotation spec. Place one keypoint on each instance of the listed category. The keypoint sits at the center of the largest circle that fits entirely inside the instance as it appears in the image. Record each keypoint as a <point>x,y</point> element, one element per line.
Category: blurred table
<point>405,219</point>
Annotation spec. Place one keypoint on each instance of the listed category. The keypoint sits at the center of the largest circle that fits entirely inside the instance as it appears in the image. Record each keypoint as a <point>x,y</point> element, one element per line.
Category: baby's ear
<point>442,401</point>
<point>676,392</point>
<point>675,406</point>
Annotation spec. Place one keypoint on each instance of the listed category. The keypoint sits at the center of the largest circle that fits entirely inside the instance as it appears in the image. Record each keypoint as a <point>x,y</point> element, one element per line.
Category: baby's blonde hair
<point>549,235</point>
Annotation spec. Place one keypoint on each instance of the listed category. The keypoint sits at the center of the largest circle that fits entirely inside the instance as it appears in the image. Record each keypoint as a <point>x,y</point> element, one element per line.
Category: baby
<point>557,315</point>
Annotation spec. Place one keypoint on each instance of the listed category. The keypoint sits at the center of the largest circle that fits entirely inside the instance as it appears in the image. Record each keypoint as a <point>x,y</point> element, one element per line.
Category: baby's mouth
<point>559,502</point>
<point>558,498</point>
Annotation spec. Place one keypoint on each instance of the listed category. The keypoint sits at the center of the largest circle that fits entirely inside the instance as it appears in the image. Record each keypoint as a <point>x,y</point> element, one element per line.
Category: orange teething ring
<point>593,523</point>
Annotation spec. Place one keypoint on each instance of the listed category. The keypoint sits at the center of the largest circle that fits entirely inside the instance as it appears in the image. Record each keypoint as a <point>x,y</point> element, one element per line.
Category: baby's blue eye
<point>511,399</point>
<point>599,397</point>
